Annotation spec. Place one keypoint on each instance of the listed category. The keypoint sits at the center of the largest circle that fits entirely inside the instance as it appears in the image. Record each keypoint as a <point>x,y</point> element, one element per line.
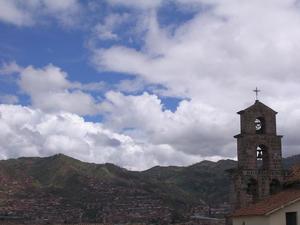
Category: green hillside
<point>100,191</point>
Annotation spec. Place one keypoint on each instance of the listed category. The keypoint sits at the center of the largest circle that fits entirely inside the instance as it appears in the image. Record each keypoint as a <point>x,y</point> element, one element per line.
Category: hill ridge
<point>68,186</point>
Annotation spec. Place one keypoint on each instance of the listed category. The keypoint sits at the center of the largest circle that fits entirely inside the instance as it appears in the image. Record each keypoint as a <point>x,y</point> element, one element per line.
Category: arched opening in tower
<point>275,186</point>
<point>260,125</point>
<point>252,188</point>
<point>262,157</point>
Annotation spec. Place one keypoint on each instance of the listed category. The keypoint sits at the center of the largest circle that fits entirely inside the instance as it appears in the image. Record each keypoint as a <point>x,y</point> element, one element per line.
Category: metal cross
<point>256,92</point>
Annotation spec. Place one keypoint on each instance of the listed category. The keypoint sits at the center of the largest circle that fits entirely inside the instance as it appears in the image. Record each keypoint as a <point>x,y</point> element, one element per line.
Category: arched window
<point>262,157</point>
<point>252,188</point>
<point>275,186</point>
<point>259,125</point>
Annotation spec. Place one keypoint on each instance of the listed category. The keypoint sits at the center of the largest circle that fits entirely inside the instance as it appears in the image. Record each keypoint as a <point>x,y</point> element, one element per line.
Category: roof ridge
<point>256,103</point>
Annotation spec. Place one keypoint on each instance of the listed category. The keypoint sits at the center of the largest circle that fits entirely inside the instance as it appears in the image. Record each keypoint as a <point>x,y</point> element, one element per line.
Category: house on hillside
<point>279,209</point>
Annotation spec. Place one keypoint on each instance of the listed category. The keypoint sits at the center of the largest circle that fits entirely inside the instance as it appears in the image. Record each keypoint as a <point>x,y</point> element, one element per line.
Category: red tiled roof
<point>270,204</point>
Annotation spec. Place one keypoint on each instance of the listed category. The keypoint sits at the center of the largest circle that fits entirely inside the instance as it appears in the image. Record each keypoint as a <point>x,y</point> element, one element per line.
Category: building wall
<point>278,218</point>
<point>252,220</point>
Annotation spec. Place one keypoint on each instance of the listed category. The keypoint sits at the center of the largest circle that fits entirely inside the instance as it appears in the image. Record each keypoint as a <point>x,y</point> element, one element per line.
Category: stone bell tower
<point>259,173</point>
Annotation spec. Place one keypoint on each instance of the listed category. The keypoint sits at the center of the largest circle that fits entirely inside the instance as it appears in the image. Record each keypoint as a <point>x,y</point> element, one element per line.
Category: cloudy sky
<point>141,83</point>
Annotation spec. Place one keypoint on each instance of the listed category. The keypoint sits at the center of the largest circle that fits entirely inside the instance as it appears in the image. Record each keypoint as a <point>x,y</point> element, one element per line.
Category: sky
<point>141,83</point>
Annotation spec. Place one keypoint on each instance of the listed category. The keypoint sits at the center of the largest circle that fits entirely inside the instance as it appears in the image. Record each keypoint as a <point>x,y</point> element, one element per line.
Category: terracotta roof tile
<point>269,204</point>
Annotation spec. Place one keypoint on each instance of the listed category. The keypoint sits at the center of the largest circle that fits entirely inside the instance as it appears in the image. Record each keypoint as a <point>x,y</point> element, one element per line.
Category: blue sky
<point>67,47</point>
<point>142,83</point>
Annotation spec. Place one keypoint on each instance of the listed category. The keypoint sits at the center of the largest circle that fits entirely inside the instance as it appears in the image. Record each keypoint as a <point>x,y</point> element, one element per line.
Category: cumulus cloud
<point>29,132</point>
<point>11,14</point>
<point>216,59</point>
<point>28,13</point>
<point>225,46</point>
<point>106,30</point>
<point>10,68</point>
<point>50,90</point>
<point>194,128</point>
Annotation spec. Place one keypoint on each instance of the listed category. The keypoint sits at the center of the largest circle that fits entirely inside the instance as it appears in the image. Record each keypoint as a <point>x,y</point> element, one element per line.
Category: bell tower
<point>259,173</point>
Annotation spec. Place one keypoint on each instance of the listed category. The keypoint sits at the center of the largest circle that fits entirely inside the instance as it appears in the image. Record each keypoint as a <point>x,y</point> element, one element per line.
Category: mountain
<point>291,161</point>
<point>205,181</point>
<point>62,189</point>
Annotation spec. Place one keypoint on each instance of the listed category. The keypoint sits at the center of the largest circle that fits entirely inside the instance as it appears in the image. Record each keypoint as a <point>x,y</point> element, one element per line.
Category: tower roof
<point>257,106</point>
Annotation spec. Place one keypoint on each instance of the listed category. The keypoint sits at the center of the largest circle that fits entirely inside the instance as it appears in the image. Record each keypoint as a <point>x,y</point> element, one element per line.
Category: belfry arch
<point>262,157</point>
<point>260,125</point>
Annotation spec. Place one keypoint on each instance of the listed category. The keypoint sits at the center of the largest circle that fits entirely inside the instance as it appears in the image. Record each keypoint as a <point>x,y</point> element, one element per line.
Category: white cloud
<point>145,4</point>
<point>216,59</point>
<point>96,86</point>
<point>130,86</point>
<point>50,90</point>
<point>48,79</point>
<point>66,12</point>
<point>10,13</point>
<point>10,68</point>
<point>106,30</point>
<point>194,128</point>
<point>223,47</point>
<point>29,132</point>
<point>58,5</point>
<point>76,101</point>
<point>28,13</point>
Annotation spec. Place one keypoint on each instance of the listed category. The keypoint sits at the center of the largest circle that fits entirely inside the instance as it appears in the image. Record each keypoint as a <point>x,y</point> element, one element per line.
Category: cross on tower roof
<point>256,93</point>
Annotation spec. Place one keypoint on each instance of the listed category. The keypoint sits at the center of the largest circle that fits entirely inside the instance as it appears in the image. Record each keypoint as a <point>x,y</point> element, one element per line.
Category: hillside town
<point>22,203</point>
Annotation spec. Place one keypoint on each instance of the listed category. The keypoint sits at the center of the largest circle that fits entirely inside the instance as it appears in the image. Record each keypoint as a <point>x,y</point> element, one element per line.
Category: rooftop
<point>270,204</point>
<point>257,105</point>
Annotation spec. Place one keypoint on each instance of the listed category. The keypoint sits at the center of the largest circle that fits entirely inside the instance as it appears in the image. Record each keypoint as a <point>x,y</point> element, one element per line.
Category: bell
<point>259,155</point>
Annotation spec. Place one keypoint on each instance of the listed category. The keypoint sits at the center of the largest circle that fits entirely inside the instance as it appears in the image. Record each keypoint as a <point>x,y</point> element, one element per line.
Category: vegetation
<point>77,182</point>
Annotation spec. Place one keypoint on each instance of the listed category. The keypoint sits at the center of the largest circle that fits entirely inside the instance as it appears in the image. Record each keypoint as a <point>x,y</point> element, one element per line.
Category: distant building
<point>203,220</point>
